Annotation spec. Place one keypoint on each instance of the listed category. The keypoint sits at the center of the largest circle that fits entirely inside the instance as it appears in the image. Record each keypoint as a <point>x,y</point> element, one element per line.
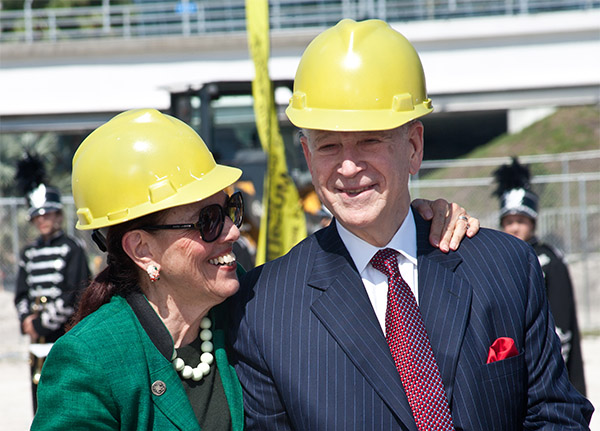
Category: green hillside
<point>568,130</point>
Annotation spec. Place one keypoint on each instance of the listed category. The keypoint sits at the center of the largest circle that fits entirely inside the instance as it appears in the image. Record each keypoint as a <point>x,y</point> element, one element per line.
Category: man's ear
<point>415,139</point>
<point>136,243</point>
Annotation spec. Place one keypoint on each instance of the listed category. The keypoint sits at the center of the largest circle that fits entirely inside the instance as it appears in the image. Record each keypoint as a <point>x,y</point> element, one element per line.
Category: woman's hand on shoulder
<point>449,222</point>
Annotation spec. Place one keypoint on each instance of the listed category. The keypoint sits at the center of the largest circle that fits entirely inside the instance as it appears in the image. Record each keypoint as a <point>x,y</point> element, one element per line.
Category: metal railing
<point>571,190</point>
<point>196,17</point>
<point>569,215</point>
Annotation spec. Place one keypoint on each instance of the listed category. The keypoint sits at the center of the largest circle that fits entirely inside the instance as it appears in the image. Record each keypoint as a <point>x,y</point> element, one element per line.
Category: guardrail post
<point>566,186</point>
<point>583,235</point>
<point>382,9</point>
<point>523,7</point>
<point>126,23</point>
<point>28,15</point>
<point>452,5</point>
<point>52,33</point>
<point>15,233</point>
<point>106,16</point>
<point>347,10</point>
<point>201,19</point>
<point>430,5</point>
<point>185,17</point>
<point>275,15</point>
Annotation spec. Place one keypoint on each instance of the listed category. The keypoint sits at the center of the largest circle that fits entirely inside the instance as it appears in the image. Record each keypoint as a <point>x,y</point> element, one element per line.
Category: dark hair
<point>120,276</point>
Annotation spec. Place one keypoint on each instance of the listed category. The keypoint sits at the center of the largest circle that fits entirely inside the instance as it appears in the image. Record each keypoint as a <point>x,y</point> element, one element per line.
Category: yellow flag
<point>282,224</point>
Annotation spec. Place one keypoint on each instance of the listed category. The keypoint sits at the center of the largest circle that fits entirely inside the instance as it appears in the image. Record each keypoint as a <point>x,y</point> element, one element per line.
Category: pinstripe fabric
<point>312,356</point>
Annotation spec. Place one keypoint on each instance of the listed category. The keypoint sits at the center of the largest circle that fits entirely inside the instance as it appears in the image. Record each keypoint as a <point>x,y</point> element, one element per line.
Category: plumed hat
<point>513,190</point>
<point>31,182</point>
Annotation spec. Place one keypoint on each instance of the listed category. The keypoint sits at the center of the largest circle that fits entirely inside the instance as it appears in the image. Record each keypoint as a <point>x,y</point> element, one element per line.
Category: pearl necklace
<point>206,359</point>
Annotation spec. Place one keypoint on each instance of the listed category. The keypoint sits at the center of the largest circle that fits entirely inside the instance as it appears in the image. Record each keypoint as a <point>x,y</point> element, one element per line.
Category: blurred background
<point>507,78</point>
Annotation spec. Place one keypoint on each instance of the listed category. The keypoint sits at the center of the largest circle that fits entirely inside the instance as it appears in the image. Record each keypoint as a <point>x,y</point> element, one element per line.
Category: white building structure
<point>524,64</point>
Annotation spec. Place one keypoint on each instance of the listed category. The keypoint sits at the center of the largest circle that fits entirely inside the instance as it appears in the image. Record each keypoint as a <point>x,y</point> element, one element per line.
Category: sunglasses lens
<point>235,209</point>
<point>212,219</point>
<point>211,222</point>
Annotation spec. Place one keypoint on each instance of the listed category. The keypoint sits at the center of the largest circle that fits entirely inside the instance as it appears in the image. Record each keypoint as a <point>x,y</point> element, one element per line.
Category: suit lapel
<point>173,402</point>
<point>346,312</point>
<point>444,302</point>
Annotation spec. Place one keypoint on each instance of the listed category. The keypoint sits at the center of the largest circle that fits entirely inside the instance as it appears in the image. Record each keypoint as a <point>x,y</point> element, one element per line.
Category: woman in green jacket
<point>148,348</point>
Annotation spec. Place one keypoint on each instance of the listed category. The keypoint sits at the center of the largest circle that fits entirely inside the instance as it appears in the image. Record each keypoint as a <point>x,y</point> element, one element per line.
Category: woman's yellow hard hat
<point>140,162</point>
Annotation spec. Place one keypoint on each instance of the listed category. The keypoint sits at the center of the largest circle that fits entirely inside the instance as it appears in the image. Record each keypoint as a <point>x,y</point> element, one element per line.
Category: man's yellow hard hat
<point>358,76</point>
<point>140,162</point>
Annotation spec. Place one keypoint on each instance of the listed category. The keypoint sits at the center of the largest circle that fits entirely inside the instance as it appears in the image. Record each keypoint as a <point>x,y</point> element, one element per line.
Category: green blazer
<point>100,375</point>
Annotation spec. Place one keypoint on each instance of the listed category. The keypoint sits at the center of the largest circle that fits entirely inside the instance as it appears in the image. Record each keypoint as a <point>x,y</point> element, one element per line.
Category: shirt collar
<point>404,241</point>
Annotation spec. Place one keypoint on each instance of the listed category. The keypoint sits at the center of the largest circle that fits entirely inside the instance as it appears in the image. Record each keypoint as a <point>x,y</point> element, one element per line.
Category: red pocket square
<point>503,348</point>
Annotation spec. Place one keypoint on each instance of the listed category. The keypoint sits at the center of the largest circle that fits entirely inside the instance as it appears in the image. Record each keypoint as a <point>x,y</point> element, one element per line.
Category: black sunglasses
<point>212,218</point>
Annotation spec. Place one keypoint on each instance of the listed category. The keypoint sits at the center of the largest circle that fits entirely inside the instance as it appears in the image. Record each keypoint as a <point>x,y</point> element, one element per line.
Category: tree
<point>56,152</point>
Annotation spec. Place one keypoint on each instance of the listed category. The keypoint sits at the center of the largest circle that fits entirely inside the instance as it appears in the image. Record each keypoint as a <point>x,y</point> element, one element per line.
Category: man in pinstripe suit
<point>310,332</point>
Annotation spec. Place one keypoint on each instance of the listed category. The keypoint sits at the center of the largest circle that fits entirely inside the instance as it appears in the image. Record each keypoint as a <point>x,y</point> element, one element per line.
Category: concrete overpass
<point>520,66</point>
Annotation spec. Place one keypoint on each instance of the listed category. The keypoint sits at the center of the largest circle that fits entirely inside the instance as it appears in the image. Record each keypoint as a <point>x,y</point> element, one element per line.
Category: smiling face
<point>195,270</point>
<point>362,177</point>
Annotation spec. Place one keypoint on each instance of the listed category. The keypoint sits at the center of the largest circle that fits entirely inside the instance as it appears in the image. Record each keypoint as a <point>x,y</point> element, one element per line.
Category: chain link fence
<point>569,218</point>
<point>568,186</point>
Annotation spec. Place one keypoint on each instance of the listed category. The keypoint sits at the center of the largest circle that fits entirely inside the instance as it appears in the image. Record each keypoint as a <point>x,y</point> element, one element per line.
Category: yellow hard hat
<point>358,76</point>
<point>140,162</point>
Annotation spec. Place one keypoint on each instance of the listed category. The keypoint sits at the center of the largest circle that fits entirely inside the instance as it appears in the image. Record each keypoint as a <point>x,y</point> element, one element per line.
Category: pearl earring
<point>153,273</point>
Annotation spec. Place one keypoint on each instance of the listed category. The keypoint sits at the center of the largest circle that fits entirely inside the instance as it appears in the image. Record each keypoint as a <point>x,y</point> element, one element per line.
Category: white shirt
<point>376,284</point>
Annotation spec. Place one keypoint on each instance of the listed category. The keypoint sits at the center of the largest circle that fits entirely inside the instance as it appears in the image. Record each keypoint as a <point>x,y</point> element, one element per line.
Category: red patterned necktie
<point>407,337</point>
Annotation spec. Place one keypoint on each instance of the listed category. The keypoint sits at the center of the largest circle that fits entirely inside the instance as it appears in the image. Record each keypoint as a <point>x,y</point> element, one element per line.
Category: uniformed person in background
<point>518,216</point>
<point>53,269</point>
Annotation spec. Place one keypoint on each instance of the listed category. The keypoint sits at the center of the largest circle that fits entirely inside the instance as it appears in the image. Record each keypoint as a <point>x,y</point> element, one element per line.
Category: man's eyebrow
<point>360,136</point>
<point>321,137</point>
<point>381,135</point>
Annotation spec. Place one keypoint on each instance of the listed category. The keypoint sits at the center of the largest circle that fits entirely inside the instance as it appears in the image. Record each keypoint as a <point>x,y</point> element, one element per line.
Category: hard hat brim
<point>353,121</point>
<point>218,179</point>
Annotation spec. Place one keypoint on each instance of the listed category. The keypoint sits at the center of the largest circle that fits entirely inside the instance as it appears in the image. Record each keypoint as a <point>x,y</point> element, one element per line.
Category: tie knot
<point>386,261</point>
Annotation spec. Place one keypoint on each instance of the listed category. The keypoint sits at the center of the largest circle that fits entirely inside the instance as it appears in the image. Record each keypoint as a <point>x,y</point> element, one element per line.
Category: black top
<point>206,396</point>
<point>52,274</point>
<point>561,298</point>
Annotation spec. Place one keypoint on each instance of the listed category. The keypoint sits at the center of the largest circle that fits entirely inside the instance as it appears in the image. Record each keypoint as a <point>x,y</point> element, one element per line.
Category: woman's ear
<point>136,243</point>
